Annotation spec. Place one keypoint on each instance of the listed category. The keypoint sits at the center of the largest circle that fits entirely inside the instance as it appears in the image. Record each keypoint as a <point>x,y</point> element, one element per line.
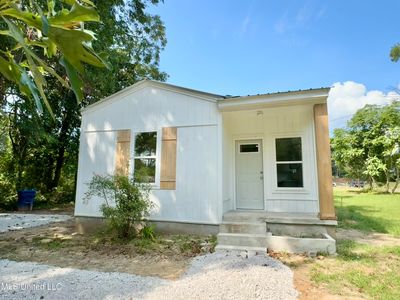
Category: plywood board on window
<point>168,158</point>
<point>122,152</point>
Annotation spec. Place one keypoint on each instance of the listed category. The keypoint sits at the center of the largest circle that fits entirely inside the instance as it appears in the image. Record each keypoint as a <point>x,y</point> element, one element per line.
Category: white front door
<point>249,174</point>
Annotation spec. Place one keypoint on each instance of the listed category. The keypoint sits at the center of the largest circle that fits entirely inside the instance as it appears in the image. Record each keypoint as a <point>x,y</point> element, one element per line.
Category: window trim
<point>156,157</point>
<point>285,189</point>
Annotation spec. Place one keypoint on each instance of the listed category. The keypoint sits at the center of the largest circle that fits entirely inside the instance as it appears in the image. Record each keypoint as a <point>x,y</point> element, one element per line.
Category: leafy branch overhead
<point>55,33</point>
<point>395,53</point>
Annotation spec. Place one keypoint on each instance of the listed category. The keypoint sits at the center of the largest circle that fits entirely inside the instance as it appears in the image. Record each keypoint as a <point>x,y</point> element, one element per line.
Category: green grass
<point>368,212</point>
<point>360,269</point>
<point>51,244</point>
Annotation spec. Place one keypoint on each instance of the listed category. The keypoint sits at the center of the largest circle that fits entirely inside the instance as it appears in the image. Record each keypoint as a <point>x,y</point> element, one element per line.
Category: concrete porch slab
<point>325,244</point>
<point>276,217</point>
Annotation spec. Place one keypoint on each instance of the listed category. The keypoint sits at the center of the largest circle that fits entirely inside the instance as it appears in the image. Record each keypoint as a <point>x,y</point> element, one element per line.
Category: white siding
<point>149,109</point>
<point>272,123</point>
<point>96,156</point>
<point>195,197</point>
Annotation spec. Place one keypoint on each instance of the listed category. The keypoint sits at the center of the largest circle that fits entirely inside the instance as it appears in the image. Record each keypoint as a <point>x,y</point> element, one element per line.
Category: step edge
<point>242,234</point>
<point>240,248</point>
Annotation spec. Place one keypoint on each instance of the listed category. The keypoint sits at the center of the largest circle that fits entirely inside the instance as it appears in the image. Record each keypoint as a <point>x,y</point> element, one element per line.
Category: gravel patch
<point>221,275</point>
<point>9,222</point>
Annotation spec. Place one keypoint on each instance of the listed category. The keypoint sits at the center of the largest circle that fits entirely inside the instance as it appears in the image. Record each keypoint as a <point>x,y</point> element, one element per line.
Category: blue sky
<point>242,47</point>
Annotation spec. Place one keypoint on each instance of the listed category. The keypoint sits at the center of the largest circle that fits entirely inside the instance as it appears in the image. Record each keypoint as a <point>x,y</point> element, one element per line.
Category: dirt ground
<point>373,239</point>
<point>59,244</point>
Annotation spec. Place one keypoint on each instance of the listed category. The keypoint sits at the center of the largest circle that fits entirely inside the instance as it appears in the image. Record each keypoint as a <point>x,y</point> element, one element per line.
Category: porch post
<point>324,167</point>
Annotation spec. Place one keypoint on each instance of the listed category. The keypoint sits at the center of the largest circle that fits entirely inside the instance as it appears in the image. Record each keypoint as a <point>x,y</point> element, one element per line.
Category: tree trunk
<point>397,180</point>
<point>387,174</point>
<point>59,165</point>
<point>370,182</point>
<point>62,145</point>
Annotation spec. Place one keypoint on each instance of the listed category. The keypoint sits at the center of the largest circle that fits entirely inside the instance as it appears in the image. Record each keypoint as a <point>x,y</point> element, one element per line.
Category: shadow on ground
<point>359,217</point>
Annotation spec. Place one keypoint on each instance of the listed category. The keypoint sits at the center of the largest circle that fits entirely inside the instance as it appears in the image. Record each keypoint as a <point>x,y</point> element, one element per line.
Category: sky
<point>238,47</point>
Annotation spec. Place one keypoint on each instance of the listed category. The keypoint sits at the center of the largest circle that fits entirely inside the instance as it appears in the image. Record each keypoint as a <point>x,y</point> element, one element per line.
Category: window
<point>246,148</point>
<point>145,156</point>
<point>289,162</point>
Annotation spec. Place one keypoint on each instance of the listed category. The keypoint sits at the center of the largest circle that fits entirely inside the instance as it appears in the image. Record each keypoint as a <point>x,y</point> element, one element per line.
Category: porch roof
<point>311,96</point>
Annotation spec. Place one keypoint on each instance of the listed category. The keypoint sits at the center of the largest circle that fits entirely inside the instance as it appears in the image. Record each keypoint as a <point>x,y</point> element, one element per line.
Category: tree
<point>50,160</point>
<point>348,153</point>
<point>368,146</point>
<point>56,33</point>
<point>132,40</point>
<point>395,53</point>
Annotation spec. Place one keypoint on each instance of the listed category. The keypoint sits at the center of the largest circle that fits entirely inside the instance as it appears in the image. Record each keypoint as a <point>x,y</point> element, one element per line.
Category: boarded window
<point>168,159</point>
<point>122,152</point>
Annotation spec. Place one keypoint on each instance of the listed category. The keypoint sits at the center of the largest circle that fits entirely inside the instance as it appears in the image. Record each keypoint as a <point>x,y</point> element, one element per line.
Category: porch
<point>276,155</point>
<point>255,230</point>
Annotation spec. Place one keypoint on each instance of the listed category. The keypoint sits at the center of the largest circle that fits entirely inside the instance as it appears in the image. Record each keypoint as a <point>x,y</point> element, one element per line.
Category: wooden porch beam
<point>324,166</point>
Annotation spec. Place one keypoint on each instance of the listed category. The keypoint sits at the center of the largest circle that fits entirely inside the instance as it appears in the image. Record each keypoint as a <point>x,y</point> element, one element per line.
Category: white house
<point>214,161</point>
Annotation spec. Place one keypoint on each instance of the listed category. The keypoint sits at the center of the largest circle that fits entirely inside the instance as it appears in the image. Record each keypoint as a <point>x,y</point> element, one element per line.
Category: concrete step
<point>242,227</point>
<point>245,216</point>
<point>240,248</point>
<point>242,239</point>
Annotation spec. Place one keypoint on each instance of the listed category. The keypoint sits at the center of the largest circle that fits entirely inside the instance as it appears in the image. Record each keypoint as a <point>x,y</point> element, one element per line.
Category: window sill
<point>290,191</point>
<point>154,186</point>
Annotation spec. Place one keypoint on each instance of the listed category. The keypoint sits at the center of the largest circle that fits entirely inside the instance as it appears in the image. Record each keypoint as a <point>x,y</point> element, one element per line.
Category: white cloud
<point>348,97</point>
<point>303,17</point>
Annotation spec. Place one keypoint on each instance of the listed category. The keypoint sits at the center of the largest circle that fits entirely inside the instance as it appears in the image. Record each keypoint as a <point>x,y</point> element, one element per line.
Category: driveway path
<point>13,221</point>
<point>220,275</point>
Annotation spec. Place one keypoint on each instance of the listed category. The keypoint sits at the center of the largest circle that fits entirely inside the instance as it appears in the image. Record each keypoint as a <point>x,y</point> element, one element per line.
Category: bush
<point>8,195</point>
<point>127,203</point>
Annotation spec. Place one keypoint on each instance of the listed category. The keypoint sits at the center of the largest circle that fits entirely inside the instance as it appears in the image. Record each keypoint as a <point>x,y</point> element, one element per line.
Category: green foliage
<point>368,148</point>
<point>148,233</point>
<point>395,53</point>
<point>57,32</point>
<point>132,39</point>
<point>127,203</point>
<point>42,152</point>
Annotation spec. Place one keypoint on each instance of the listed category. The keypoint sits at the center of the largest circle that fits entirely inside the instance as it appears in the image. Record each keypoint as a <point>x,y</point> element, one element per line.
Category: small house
<point>245,167</point>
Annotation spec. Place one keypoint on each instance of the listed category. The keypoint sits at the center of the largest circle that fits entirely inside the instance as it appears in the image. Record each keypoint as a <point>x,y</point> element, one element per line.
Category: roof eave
<point>162,85</point>
<point>314,96</point>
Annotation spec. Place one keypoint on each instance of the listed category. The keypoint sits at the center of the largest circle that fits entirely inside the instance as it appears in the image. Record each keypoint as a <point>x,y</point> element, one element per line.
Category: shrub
<point>127,203</point>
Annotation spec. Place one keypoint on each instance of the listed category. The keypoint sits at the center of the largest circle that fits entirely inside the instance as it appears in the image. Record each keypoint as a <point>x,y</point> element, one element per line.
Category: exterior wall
<point>195,199</point>
<point>272,123</point>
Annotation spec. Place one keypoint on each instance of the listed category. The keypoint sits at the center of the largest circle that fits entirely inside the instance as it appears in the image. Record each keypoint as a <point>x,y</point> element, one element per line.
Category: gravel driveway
<point>10,222</point>
<point>220,275</point>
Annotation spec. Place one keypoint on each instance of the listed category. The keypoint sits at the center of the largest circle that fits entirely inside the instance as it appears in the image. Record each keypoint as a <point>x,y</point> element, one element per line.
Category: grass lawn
<point>360,269</point>
<point>368,212</point>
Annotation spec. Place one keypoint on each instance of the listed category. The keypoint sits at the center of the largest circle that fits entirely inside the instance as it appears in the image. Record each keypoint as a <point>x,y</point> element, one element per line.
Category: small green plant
<point>127,203</point>
<point>148,233</point>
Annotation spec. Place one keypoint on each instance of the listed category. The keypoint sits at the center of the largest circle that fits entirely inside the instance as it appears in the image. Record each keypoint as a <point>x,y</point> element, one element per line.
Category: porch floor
<point>275,217</point>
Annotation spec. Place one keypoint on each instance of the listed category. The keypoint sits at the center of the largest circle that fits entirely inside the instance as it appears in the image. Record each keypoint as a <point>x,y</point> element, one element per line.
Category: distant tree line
<point>369,147</point>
